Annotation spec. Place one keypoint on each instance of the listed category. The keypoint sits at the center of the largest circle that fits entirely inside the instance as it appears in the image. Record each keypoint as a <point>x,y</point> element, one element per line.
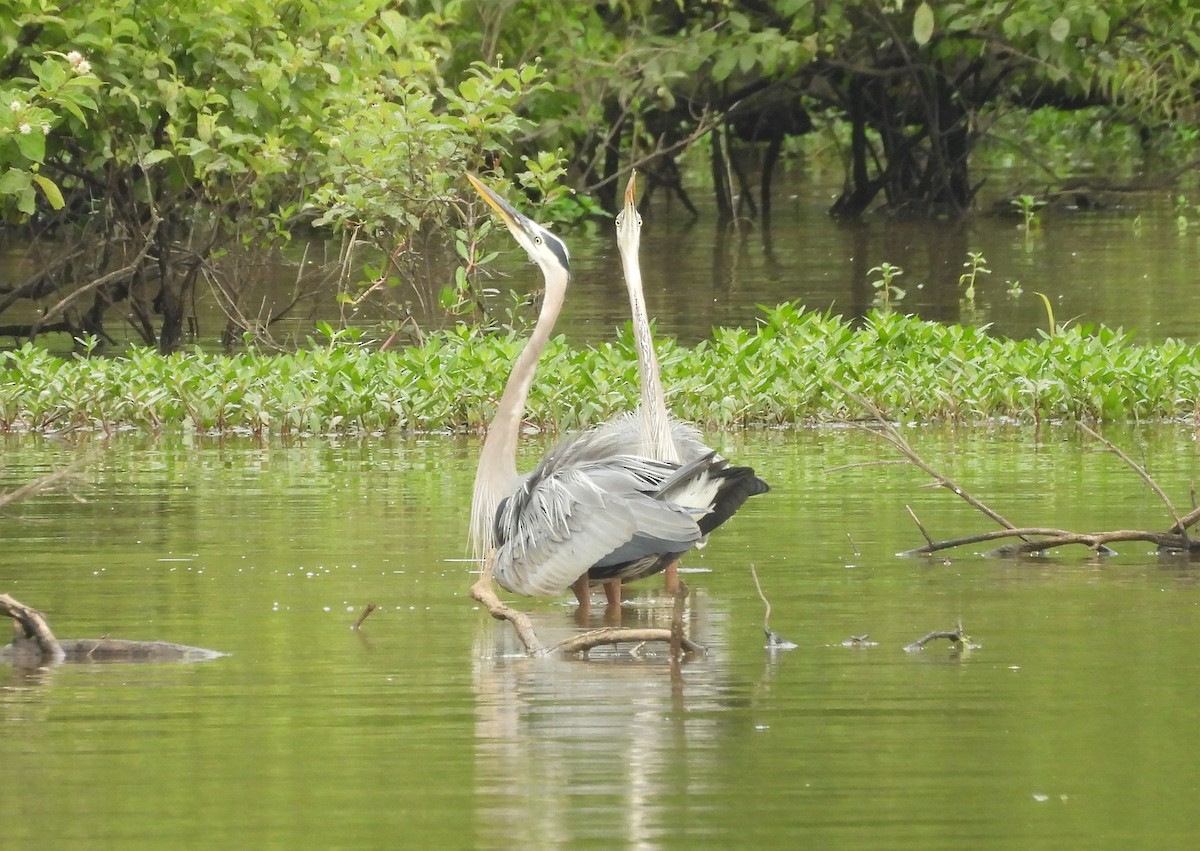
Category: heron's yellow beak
<point>507,212</point>
<point>631,192</point>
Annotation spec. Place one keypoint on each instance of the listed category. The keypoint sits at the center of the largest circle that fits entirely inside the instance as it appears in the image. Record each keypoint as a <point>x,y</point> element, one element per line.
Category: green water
<point>1069,726</point>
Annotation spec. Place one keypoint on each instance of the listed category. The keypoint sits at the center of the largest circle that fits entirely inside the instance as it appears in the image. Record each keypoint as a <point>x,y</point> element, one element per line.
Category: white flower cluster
<point>78,63</point>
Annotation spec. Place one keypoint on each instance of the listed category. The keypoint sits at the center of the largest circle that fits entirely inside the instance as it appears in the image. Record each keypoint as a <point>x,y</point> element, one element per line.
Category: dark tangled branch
<point>1032,539</point>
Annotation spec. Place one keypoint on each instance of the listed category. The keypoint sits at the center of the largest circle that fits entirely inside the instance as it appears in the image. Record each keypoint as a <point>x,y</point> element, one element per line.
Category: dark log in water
<point>34,644</point>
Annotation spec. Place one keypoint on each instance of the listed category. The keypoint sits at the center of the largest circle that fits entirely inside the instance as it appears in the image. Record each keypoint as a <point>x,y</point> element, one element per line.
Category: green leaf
<point>923,24</point>
<point>1060,29</point>
<point>15,180</point>
<point>32,144</point>
<point>1100,25</point>
<point>156,156</point>
<point>50,190</point>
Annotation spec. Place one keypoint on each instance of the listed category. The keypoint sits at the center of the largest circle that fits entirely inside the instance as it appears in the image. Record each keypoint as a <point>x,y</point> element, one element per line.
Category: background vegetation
<point>150,148</point>
<point>795,368</point>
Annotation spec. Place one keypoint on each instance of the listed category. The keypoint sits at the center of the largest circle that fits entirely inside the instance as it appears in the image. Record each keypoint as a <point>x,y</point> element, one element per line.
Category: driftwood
<point>34,645</point>
<point>31,634</point>
<point>1033,539</point>
<point>484,592</point>
<point>957,637</point>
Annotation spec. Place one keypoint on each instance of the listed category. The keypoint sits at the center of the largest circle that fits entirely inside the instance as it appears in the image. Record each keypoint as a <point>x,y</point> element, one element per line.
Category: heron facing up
<point>593,503</point>
<point>652,429</point>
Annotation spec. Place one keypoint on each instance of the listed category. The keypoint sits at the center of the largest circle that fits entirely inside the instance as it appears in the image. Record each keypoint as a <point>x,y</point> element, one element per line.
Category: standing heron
<point>591,504</point>
<point>655,432</point>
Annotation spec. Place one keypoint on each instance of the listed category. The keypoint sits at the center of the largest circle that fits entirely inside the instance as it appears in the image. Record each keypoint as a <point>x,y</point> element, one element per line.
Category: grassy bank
<point>783,373</point>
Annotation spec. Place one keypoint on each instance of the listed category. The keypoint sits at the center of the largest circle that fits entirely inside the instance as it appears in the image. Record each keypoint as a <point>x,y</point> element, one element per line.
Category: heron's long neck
<point>655,425</point>
<point>497,473</point>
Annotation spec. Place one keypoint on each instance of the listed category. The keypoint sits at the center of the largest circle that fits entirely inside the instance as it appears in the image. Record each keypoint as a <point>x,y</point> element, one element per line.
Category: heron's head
<point>545,249</point>
<point>629,221</point>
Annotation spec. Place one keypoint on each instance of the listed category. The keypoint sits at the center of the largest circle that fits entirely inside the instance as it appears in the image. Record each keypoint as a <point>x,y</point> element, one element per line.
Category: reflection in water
<point>558,741</point>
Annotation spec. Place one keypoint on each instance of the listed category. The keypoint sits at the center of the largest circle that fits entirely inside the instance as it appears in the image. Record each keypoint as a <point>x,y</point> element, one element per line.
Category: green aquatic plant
<point>885,291</point>
<point>976,265</point>
<point>786,371</point>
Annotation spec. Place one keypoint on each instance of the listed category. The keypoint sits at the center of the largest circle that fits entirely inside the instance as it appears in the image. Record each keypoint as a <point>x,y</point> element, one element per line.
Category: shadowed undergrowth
<point>784,372</point>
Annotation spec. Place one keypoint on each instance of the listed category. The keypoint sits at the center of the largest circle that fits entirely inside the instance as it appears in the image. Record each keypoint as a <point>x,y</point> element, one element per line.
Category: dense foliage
<point>790,371</point>
<point>150,148</point>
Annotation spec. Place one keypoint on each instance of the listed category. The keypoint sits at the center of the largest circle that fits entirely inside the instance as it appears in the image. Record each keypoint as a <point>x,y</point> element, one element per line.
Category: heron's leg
<point>582,592</point>
<point>612,592</point>
<point>671,577</point>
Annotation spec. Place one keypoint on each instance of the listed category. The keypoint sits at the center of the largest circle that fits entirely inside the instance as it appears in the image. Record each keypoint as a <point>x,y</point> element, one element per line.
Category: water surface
<point>1066,727</point>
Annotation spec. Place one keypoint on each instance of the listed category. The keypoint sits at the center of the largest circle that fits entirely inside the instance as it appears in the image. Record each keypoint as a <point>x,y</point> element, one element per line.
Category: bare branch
<point>615,634</point>
<point>956,636</point>
<point>30,627</point>
<point>40,484</point>
<point>358,622</point>
<point>1138,468</point>
<point>483,592</point>
<point>888,432</point>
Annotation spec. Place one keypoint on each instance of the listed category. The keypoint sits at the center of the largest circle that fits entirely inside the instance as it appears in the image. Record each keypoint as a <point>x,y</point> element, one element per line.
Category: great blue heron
<point>652,429</point>
<point>591,504</point>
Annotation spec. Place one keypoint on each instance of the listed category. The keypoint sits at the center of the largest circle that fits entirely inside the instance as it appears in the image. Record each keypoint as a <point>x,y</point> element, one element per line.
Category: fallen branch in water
<point>31,634</point>
<point>1033,539</point>
<point>956,637</point>
<point>482,590</point>
<point>34,645</point>
<point>616,634</point>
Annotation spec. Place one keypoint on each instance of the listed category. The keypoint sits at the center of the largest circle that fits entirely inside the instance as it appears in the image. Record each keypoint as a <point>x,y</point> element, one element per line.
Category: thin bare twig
<point>1140,470</point>
<point>888,432</point>
<point>363,615</point>
<point>920,525</point>
<point>763,597</point>
<point>956,636</point>
<point>677,609</point>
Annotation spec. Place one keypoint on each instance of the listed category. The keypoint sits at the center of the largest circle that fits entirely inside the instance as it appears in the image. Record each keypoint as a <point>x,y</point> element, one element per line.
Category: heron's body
<point>593,503</point>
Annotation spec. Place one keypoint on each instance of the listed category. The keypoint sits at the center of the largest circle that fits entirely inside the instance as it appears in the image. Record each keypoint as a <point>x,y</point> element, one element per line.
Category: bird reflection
<point>570,749</point>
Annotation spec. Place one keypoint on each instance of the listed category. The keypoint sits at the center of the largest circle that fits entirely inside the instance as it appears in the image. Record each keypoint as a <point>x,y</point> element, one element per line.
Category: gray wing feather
<point>584,507</point>
<point>624,431</point>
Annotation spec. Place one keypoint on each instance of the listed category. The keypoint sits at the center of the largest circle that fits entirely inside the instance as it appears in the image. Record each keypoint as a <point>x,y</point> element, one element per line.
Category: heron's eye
<point>537,240</point>
<point>639,221</point>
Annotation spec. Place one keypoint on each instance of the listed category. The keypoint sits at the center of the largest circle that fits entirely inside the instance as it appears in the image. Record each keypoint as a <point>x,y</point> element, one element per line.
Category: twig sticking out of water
<point>483,592</point>
<point>888,432</point>
<point>774,640</point>
<point>677,609</point>
<point>956,636</point>
<point>362,616</point>
<point>1181,523</point>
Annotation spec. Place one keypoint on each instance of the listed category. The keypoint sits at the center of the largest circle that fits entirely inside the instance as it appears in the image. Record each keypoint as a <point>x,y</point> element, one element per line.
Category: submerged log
<point>35,645</point>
